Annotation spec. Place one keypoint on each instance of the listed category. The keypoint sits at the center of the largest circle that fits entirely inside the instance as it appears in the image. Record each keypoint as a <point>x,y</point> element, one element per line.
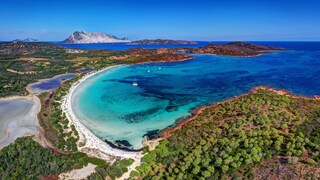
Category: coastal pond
<point>85,70</point>
<point>49,84</point>
<point>110,106</point>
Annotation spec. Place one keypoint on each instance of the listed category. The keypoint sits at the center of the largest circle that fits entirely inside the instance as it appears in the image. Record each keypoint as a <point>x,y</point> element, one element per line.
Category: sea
<point>110,106</point>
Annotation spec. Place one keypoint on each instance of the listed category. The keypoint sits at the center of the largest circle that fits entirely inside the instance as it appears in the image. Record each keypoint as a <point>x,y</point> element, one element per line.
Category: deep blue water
<point>113,109</point>
<point>51,84</point>
<point>125,46</point>
<point>299,45</point>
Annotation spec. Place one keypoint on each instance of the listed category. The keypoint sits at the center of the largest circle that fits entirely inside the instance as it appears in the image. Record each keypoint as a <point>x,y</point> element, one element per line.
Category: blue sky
<point>176,19</point>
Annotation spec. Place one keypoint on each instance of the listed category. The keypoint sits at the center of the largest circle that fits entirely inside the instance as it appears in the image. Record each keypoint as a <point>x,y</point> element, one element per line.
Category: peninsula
<point>162,41</point>
<point>229,49</point>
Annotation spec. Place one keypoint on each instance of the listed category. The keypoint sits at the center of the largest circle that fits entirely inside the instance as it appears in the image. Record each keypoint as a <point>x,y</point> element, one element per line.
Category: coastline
<point>91,142</point>
<point>108,148</point>
<point>167,132</point>
<point>162,61</point>
<point>95,146</point>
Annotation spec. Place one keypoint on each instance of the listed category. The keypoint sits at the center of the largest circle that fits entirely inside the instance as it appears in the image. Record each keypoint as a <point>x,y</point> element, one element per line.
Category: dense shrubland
<point>116,170</point>
<point>57,127</point>
<point>230,138</point>
<point>26,158</point>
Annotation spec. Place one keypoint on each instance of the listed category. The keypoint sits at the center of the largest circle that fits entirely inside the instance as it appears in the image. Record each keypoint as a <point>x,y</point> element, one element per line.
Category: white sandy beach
<point>18,118</point>
<point>92,142</point>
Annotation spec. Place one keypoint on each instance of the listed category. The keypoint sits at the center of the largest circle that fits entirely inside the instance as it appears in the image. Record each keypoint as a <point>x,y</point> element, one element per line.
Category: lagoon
<point>49,84</point>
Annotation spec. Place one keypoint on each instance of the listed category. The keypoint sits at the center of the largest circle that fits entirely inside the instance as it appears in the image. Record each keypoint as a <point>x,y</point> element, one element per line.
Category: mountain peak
<point>81,37</point>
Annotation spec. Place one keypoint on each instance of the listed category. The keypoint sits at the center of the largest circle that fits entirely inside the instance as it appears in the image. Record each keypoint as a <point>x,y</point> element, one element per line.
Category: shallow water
<point>113,109</point>
<point>18,117</point>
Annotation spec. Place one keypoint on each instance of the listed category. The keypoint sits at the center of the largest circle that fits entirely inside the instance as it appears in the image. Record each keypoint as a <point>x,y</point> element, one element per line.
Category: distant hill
<point>29,48</point>
<point>229,49</point>
<point>80,37</point>
<point>162,41</point>
<point>26,40</point>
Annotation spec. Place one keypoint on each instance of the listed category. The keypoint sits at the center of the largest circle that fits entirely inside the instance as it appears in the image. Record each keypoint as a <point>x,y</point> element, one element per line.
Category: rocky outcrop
<point>80,37</point>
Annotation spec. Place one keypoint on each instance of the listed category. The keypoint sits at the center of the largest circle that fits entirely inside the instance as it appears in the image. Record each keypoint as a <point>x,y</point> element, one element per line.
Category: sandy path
<point>79,173</point>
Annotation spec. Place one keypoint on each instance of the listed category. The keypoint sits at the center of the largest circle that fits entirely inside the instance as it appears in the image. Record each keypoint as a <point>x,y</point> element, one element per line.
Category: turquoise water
<point>116,111</point>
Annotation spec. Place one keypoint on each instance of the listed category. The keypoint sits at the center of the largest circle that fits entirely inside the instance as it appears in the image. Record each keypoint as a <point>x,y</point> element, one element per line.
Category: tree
<point>225,168</point>
<point>206,174</point>
<point>196,170</point>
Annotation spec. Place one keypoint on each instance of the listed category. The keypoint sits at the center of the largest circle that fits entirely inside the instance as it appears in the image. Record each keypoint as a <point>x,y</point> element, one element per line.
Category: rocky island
<point>81,37</point>
<point>162,41</point>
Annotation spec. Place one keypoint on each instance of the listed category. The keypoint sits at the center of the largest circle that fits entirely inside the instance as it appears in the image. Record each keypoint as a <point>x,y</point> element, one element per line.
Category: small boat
<point>148,71</point>
<point>159,68</point>
<point>135,83</point>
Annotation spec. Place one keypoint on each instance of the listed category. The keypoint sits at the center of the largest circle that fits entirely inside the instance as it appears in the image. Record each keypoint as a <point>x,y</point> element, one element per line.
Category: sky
<point>213,20</point>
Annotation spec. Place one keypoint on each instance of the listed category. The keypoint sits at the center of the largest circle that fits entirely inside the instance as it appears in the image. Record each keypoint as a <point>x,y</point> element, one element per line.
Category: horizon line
<point>56,41</point>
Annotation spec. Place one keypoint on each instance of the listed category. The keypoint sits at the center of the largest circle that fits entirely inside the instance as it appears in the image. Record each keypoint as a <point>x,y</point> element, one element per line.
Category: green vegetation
<point>117,169</point>
<point>26,158</point>
<point>230,139</point>
<point>14,50</point>
<point>16,75</point>
<point>57,128</point>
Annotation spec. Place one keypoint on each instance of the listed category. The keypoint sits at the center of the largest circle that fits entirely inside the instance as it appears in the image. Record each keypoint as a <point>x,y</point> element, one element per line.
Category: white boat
<point>148,71</point>
<point>135,83</point>
<point>159,68</point>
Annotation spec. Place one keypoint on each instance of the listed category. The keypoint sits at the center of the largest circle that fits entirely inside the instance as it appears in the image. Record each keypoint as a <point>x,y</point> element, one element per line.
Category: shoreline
<point>85,135</point>
<point>167,132</point>
<point>92,142</point>
<point>162,61</point>
<point>107,147</point>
